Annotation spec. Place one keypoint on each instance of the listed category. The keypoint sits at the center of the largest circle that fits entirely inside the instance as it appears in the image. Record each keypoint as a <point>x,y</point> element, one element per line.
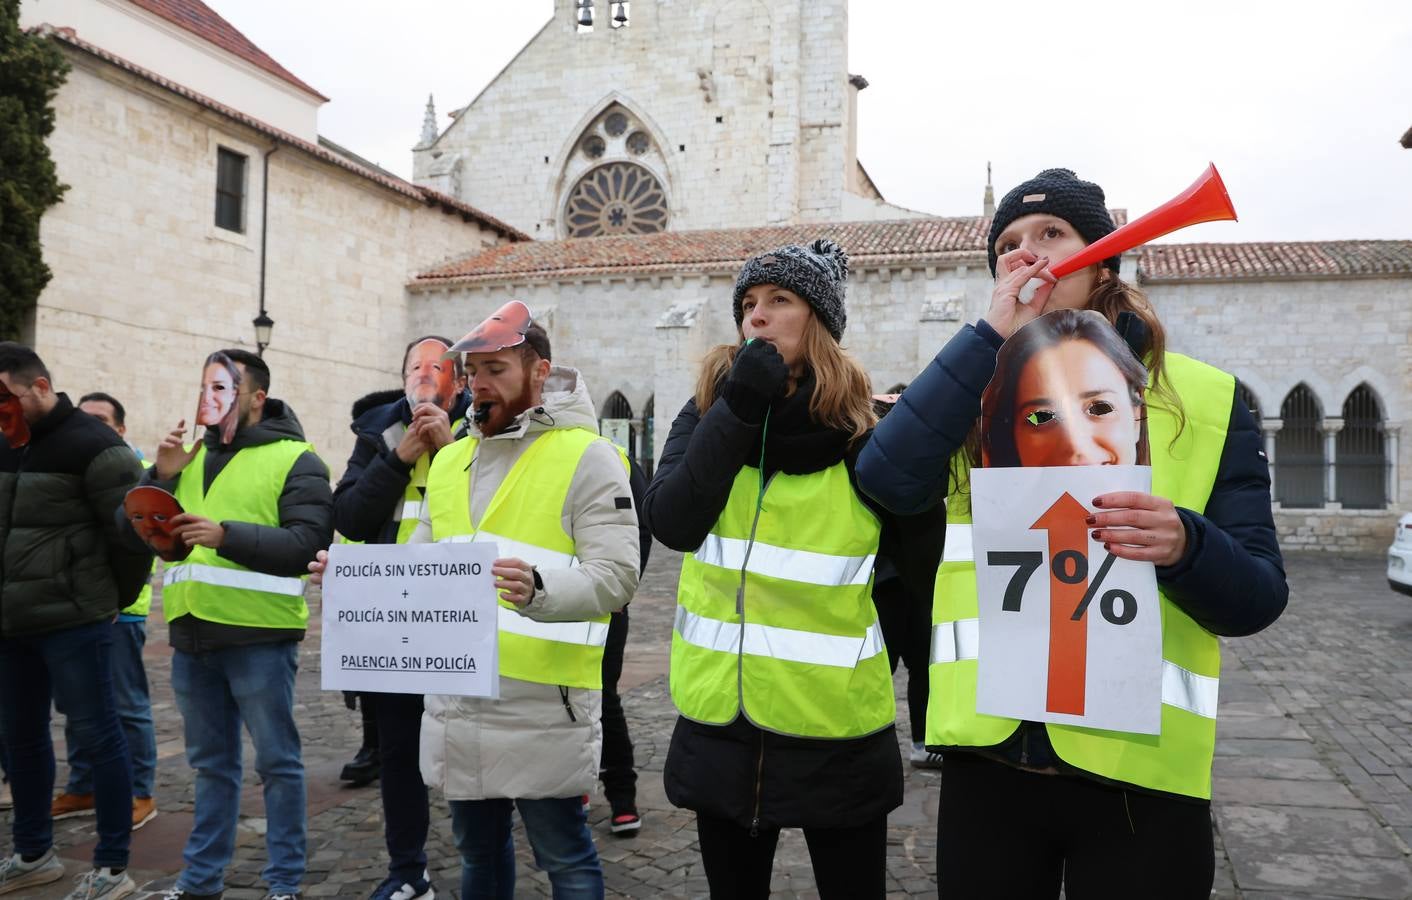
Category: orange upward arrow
<point>1068,580</point>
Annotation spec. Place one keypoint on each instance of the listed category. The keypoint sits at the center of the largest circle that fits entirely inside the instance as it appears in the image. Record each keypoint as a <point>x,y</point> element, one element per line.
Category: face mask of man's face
<point>12,417</point>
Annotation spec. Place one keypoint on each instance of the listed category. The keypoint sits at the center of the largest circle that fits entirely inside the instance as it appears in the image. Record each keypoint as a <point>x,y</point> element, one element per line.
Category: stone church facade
<point>747,113</point>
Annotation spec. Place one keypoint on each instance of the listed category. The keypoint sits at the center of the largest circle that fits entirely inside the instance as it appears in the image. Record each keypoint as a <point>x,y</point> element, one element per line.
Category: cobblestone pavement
<point>1312,775</point>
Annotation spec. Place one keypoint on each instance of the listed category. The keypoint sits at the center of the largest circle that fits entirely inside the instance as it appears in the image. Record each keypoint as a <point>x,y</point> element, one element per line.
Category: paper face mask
<point>430,377</point>
<point>1067,391</point>
<point>219,404</point>
<point>505,328</point>
<point>12,418</point>
<point>151,510</point>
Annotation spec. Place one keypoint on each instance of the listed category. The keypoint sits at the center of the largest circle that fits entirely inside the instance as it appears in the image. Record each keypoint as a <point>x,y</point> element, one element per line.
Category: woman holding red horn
<point>1026,807</point>
<point>779,669</point>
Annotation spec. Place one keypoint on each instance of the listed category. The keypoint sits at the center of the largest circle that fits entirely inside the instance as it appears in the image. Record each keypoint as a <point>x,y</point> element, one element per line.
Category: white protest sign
<point>411,619</point>
<point>1069,633</point>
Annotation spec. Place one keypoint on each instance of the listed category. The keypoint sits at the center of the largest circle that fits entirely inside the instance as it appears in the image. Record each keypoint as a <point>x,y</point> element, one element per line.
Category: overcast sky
<point>1300,105</point>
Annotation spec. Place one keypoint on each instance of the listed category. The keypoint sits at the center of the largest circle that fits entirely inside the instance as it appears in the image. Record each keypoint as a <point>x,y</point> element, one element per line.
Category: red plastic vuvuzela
<point>1205,201</point>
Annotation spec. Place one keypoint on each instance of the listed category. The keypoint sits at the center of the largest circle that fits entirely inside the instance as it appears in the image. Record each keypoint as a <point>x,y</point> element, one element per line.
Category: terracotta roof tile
<point>202,21</point>
<point>387,180</point>
<point>1270,260</point>
<point>928,241</point>
<point>923,240</point>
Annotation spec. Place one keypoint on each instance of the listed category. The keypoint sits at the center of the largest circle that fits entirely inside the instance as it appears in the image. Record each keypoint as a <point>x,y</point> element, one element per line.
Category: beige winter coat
<point>526,744</point>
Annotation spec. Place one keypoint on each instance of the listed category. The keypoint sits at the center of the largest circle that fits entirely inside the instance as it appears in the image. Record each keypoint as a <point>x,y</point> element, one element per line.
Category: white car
<point>1399,557</point>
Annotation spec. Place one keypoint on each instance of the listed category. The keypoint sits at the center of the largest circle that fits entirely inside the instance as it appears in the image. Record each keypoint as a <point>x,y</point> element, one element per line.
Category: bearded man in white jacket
<point>534,477</point>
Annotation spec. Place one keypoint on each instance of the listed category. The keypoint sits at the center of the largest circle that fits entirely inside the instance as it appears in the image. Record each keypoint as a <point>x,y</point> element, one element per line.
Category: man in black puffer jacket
<point>64,574</point>
<point>378,501</point>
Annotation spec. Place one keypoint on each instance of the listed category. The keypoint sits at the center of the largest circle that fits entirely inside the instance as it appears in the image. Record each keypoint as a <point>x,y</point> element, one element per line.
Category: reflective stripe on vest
<point>952,641</point>
<point>409,514</point>
<point>234,578</point>
<point>524,518</point>
<point>781,562</point>
<point>211,587</point>
<point>1184,469</point>
<point>958,544</point>
<point>592,633</point>
<point>786,644</point>
<point>775,617</point>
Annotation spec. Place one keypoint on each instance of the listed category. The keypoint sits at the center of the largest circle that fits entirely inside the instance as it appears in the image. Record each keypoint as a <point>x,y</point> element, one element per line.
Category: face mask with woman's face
<point>1074,407</point>
<point>222,404</point>
<point>771,313</point>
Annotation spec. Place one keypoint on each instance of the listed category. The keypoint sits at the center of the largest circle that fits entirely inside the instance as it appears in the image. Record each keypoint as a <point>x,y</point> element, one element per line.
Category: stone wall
<point>1330,335</point>
<point>145,285</point>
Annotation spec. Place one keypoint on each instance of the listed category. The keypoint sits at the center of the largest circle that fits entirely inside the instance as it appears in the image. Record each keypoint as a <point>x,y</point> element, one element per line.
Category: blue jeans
<point>71,668</point>
<point>134,707</point>
<point>216,692</point>
<point>558,834</point>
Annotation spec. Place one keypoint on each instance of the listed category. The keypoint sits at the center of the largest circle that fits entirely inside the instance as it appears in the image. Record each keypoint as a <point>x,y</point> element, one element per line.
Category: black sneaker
<point>625,823</point>
<point>177,893</point>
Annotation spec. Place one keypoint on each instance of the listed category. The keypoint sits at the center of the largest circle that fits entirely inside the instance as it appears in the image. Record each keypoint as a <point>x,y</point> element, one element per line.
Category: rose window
<point>617,198</point>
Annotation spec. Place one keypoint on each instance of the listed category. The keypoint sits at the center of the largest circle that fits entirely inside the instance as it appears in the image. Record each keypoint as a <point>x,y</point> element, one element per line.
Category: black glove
<point>758,376</point>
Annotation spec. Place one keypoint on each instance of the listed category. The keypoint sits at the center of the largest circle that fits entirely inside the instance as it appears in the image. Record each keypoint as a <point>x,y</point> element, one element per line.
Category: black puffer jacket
<point>64,561</point>
<point>374,481</point>
<point>739,771</point>
<point>305,526</point>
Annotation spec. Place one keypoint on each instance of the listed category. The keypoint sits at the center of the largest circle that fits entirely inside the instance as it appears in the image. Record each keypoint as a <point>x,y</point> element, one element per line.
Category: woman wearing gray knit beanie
<point>779,669</point>
<point>1028,807</point>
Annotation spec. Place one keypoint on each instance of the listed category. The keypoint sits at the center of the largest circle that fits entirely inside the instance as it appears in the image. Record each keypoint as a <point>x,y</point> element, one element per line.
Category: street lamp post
<point>263,326</point>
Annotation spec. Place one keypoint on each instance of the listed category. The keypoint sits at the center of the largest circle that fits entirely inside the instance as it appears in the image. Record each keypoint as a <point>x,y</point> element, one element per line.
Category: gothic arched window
<point>614,180</point>
<point>1246,396</point>
<point>1299,451</point>
<point>1360,459</point>
<point>616,422</point>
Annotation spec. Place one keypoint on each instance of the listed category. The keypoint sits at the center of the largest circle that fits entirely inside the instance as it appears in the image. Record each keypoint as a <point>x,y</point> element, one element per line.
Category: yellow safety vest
<point>143,604</point>
<point>524,518</point>
<point>410,512</point>
<point>211,587</point>
<point>775,612</point>
<point>1184,469</point>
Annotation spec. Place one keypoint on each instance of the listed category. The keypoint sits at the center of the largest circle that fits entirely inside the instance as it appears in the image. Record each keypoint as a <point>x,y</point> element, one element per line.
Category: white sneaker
<point>15,873</point>
<point>922,758</point>
<point>102,884</point>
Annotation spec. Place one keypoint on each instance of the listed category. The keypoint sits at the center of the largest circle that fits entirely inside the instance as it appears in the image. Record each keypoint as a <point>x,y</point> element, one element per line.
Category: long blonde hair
<point>842,397</point>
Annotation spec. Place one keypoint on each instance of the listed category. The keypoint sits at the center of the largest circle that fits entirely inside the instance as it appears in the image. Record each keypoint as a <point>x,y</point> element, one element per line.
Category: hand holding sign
<point>1070,632</point>
<point>1140,526</point>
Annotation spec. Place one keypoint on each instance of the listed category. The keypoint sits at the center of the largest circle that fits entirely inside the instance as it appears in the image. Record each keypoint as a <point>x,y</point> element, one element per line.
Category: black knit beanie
<point>1057,192</point>
<point>816,273</point>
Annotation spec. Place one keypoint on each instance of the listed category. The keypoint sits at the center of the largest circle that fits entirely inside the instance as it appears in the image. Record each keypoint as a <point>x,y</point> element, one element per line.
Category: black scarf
<point>794,443</point>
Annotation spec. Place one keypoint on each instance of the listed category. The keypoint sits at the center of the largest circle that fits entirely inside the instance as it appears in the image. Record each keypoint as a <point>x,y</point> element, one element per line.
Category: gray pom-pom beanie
<point>818,273</point>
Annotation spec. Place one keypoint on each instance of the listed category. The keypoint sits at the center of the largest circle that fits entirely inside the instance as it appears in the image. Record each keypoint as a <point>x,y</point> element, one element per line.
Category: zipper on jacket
<point>759,781</point>
<point>564,696</point>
